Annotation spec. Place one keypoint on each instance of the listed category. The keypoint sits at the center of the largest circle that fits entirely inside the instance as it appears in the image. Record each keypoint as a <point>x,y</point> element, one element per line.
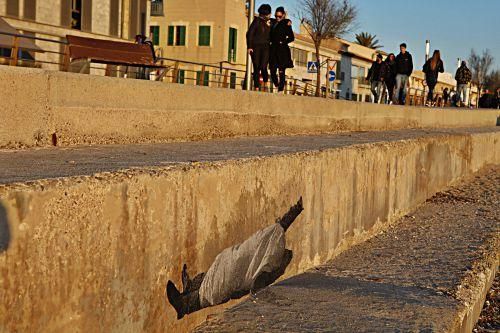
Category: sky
<point>453,26</point>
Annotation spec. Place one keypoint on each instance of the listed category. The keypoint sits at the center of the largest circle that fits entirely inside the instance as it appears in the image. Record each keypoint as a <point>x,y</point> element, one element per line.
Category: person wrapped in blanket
<point>244,268</point>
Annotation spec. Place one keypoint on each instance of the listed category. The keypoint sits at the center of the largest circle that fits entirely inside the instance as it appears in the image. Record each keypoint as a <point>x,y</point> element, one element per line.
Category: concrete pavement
<point>428,273</point>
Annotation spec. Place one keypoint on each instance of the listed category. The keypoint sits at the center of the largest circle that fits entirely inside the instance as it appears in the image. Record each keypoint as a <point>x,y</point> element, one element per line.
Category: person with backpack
<point>463,77</point>
<point>390,75</point>
<point>258,44</point>
<point>376,78</point>
<point>432,68</point>
<point>281,57</point>
<point>404,68</point>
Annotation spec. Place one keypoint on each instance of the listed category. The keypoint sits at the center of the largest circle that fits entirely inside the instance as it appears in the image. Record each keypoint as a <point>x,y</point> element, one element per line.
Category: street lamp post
<point>251,13</point>
<point>427,53</point>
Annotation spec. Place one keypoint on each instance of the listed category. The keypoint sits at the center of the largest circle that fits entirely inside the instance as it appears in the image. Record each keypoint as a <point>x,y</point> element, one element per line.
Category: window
<point>154,30</point>
<point>180,36</point>
<point>232,81</point>
<point>299,57</point>
<point>233,43</point>
<point>76,14</point>
<point>204,35</point>
<point>354,97</point>
<point>30,9</point>
<point>206,78</point>
<point>181,76</point>
<point>176,35</point>
<point>170,38</point>
<point>354,72</point>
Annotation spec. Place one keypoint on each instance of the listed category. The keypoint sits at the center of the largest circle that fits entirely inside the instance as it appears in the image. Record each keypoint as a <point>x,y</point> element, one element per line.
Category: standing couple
<point>267,43</point>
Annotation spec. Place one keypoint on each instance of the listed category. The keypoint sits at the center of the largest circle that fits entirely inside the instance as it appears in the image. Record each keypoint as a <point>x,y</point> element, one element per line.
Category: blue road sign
<point>331,76</point>
<point>312,66</point>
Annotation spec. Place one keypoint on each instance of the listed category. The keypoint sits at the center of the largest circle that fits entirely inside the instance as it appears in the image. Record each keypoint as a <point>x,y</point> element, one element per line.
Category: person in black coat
<point>281,57</point>
<point>258,44</point>
<point>432,68</point>
<point>390,75</point>
<point>376,76</point>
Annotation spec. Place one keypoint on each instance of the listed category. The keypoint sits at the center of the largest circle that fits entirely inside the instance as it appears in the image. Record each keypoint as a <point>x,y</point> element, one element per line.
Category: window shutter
<point>170,37</point>
<point>182,35</point>
<point>87,15</point>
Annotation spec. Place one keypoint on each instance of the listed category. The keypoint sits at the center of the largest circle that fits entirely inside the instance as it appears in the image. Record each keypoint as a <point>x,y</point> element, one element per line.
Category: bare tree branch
<point>326,19</point>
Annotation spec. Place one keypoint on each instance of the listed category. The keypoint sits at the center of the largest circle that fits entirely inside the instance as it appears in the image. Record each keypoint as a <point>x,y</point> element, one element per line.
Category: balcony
<point>157,8</point>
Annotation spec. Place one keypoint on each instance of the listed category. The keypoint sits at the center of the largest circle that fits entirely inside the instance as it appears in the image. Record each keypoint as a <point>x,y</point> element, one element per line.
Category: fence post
<point>66,58</point>
<point>14,52</point>
<point>224,82</point>
<point>175,73</point>
<point>294,90</point>
<point>201,79</point>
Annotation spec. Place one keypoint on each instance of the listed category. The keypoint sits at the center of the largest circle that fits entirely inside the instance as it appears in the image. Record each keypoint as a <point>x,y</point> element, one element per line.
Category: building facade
<point>54,19</point>
<point>211,32</point>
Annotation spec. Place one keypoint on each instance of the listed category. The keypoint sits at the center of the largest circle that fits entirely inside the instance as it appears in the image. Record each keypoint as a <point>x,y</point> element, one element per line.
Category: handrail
<point>221,73</point>
<point>33,37</point>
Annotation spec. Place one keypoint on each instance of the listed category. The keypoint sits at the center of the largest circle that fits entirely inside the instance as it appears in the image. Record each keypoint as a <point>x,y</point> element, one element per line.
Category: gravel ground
<point>489,321</point>
<point>417,276</point>
<point>46,163</point>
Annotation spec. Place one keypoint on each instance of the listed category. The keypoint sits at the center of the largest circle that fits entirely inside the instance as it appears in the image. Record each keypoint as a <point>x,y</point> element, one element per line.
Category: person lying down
<point>247,267</point>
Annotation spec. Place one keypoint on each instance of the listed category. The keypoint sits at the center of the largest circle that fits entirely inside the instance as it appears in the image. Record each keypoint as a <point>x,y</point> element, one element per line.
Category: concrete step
<point>90,235</point>
<point>428,273</point>
<point>43,108</point>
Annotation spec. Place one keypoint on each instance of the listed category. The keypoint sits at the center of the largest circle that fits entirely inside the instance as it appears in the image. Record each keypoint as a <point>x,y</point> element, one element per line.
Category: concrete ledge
<point>85,109</point>
<point>93,253</point>
<point>430,272</point>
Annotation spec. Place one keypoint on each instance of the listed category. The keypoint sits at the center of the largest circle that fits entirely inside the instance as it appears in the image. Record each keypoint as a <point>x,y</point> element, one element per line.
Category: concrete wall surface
<point>85,109</point>
<point>93,254</point>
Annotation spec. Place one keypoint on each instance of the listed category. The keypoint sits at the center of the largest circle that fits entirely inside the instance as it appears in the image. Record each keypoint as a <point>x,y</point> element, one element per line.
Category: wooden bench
<point>110,52</point>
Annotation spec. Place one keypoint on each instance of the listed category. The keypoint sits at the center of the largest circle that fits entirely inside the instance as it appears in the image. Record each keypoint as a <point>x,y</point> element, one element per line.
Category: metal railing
<point>221,75</point>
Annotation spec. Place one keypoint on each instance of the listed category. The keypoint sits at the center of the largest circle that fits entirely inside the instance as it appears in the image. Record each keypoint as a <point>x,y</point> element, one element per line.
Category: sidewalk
<point>428,273</point>
<point>34,164</point>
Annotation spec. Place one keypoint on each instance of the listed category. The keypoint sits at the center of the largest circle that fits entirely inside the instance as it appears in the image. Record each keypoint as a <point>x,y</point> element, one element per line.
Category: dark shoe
<point>175,298</point>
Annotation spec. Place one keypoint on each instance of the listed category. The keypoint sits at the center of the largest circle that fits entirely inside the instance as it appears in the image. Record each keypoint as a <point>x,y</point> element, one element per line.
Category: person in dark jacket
<point>463,77</point>
<point>258,44</point>
<point>432,68</point>
<point>376,77</point>
<point>446,96</point>
<point>404,68</point>
<point>390,75</point>
<point>281,57</point>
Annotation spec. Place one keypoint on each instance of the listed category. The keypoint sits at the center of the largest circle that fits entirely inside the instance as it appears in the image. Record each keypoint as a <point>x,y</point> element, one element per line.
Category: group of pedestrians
<point>267,43</point>
<point>392,75</point>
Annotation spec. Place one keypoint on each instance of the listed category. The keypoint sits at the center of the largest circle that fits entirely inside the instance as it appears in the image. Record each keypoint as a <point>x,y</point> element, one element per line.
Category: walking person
<point>463,77</point>
<point>376,78</point>
<point>258,44</point>
<point>390,75</point>
<point>281,57</point>
<point>446,96</point>
<point>432,68</point>
<point>404,68</point>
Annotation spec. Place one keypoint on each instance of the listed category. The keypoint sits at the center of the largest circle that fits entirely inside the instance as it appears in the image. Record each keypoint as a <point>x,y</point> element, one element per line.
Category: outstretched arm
<point>286,220</point>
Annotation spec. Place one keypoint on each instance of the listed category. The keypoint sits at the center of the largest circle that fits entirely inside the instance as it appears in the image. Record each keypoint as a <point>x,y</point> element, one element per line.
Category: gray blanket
<point>235,269</point>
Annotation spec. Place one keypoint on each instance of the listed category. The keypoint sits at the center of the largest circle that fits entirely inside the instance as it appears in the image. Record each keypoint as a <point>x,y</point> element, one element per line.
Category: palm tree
<point>368,40</point>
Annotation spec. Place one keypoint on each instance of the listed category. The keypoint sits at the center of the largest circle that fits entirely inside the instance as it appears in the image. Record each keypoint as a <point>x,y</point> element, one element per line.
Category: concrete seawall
<point>94,253</point>
<point>85,109</point>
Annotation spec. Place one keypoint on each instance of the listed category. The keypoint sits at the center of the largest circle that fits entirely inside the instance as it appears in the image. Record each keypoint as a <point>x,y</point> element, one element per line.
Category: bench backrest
<point>110,52</point>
